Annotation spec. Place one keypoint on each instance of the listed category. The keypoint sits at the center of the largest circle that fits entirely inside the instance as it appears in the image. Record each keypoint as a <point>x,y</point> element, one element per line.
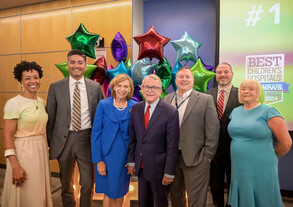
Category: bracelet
<point>9,152</point>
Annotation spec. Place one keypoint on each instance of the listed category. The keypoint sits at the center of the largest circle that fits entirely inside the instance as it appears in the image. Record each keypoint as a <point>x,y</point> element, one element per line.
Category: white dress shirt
<point>85,113</point>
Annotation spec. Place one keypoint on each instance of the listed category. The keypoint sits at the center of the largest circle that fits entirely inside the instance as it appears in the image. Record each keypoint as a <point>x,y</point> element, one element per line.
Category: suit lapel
<point>192,101</point>
<point>66,93</point>
<point>88,92</point>
<point>110,113</point>
<point>156,114</point>
<point>232,97</point>
<point>215,95</point>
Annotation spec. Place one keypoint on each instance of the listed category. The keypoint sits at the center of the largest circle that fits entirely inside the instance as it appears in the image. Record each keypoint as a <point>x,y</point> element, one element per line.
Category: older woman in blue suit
<point>109,141</point>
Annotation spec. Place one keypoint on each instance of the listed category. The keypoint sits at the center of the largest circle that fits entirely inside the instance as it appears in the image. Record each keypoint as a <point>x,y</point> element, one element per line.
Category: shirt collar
<point>186,94</point>
<point>227,89</point>
<point>154,104</point>
<point>72,81</point>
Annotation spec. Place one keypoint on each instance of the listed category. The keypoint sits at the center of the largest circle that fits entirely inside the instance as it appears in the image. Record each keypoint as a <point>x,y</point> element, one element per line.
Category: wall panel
<point>10,35</point>
<point>45,31</point>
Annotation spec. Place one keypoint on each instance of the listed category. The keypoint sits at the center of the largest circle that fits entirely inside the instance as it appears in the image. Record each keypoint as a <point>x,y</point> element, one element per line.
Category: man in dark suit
<point>153,144</point>
<point>199,131</point>
<point>71,106</point>
<point>221,164</point>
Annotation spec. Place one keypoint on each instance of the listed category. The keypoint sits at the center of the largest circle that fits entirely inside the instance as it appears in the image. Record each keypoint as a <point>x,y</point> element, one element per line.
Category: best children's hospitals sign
<point>269,71</point>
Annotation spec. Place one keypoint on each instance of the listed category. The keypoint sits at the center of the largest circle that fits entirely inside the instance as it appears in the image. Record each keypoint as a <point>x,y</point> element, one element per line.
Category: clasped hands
<point>131,171</point>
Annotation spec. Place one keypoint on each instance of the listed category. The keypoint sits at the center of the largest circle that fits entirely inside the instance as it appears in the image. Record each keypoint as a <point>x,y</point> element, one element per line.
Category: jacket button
<point>64,136</point>
<point>140,154</point>
<point>143,142</point>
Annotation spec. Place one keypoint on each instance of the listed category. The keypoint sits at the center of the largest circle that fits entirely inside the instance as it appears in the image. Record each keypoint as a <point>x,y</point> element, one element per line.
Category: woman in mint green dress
<point>254,175</point>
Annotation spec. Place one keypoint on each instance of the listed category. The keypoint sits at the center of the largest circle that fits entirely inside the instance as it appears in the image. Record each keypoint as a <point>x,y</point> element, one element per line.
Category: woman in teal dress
<point>254,178</point>
<point>110,141</point>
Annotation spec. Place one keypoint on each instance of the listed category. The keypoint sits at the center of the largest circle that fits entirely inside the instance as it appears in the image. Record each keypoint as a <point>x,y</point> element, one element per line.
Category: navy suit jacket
<point>157,146</point>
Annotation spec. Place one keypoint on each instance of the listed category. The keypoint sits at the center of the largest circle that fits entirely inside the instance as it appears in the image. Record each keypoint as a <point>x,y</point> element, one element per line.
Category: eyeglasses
<point>152,88</point>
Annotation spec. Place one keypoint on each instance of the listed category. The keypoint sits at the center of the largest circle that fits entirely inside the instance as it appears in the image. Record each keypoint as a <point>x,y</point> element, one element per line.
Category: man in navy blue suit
<point>153,144</point>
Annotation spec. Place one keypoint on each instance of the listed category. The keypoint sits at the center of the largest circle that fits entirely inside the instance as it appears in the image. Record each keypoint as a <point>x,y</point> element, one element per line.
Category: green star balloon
<point>164,71</point>
<point>201,76</point>
<point>88,71</point>
<point>83,40</point>
<point>128,63</point>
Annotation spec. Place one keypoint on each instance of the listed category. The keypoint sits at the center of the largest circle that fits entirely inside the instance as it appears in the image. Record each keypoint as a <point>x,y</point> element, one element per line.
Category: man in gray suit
<point>199,132</point>
<point>68,136</point>
<point>221,164</point>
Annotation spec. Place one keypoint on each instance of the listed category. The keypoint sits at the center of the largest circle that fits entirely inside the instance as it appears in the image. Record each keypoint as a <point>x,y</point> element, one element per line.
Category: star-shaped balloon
<point>119,48</point>
<point>136,94</point>
<point>186,48</point>
<point>208,67</point>
<point>151,44</point>
<point>100,72</point>
<point>88,71</point>
<point>201,76</point>
<point>140,69</point>
<point>164,71</point>
<point>105,85</point>
<point>174,72</point>
<point>83,40</point>
<point>121,68</point>
<point>128,63</point>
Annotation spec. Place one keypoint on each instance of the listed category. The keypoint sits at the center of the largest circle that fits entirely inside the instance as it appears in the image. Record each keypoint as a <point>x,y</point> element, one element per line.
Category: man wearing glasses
<point>199,133</point>
<point>153,144</point>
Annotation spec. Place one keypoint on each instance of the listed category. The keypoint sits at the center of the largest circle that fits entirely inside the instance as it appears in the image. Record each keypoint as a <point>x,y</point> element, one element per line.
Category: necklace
<point>37,105</point>
<point>120,109</point>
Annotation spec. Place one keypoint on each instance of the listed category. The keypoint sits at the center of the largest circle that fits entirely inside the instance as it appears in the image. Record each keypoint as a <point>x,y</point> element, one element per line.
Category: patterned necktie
<point>76,115</point>
<point>147,117</point>
<point>220,104</point>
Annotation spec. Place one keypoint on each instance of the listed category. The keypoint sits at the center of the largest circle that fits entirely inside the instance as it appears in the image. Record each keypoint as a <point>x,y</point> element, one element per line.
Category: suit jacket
<point>199,130</point>
<point>106,127</point>
<point>225,139</point>
<point>59,112</point>
<point>157,146</point>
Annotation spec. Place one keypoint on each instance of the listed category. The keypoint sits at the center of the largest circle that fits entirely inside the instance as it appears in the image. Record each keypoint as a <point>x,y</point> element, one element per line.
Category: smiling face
<point>30,81</point>
<point>224,75</point>
<point>184,80</point>
<point>249,92</point>
<point>151,90</point>
<point>76,65</point>
<point>122,89</point>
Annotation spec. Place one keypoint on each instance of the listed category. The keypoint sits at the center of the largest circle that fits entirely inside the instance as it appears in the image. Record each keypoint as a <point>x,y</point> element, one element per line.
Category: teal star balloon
<point>186,48</point>
<point>174,72</point>
<point>201,76</point>
<point>121,68</point>
<point>140,69</point>
<point>84,41</point>
<point>87,73</point>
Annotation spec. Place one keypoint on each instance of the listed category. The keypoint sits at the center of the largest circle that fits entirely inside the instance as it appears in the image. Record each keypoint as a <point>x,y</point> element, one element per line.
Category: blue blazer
<point>106,126</point>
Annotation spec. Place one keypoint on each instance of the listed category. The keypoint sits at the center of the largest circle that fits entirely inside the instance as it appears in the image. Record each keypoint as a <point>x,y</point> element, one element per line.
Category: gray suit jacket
<point>199,131</point>
<point>59,111</point>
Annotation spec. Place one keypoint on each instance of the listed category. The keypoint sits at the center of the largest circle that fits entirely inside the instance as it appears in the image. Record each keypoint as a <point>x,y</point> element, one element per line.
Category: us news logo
<point>269,71</point>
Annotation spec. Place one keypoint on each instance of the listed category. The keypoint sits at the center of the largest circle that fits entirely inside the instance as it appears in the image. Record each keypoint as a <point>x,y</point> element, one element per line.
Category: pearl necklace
<point>120,109</point>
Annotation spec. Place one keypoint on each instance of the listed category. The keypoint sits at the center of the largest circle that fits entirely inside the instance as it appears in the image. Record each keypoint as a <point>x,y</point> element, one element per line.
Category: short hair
<point>225,63</point>
<point>76,52</point>
<point>253,84</point>
<point>118,79</point>
<point>185,68</point>
<point>154,77</point>
<point>26,66</point>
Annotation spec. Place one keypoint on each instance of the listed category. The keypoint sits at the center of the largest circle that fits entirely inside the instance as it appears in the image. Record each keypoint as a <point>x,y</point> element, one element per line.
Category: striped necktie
<point>220,104</point>
<point>76,115</point>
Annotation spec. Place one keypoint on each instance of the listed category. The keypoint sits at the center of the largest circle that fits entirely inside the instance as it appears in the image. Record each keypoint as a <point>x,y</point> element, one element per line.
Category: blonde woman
<point>254,175</point>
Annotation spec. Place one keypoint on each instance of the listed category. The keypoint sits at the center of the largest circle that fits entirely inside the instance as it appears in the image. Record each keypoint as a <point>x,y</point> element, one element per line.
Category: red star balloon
<point>100,72</point>
<point>151,44</point>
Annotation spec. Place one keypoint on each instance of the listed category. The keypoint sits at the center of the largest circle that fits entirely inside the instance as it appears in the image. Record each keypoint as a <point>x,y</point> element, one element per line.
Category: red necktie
<point>220,104</point>
<point>147,117</point>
